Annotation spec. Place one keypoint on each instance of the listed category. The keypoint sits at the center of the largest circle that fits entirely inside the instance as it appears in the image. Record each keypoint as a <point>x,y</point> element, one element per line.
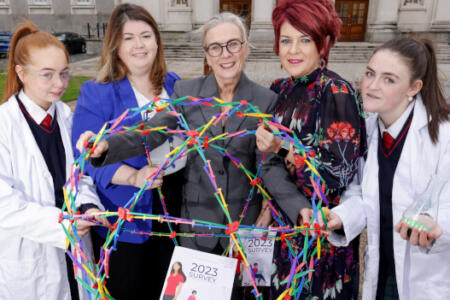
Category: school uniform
<point>35,161</point>
<point>399,174</point>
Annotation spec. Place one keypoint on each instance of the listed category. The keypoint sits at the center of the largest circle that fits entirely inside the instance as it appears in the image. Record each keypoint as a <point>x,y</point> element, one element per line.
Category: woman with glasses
<point>132,73</point>
<point>325,114</point>
<point>226,49</point>
<point>35,162</point>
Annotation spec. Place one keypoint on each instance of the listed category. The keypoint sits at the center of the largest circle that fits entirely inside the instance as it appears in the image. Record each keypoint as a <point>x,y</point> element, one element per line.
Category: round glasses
<point>47,76</point>
<point>216,49</point>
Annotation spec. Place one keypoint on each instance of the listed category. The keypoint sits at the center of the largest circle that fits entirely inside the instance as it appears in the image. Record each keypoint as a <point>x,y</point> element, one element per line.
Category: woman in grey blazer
<point>226,49</point>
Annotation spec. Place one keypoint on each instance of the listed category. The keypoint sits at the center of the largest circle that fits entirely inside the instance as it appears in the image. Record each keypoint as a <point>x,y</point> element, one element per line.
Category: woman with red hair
<point>324,112</point>
<point>35,161</point>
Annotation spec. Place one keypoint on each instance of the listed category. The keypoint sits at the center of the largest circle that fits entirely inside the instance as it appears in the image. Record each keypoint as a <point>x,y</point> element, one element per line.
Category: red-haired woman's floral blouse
<point>326,115</point>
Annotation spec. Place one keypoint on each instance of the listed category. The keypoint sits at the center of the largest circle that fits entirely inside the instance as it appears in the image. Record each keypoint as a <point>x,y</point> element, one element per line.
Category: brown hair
<point>25,38</point>
<point>111,67</point>
<point>420,57</point>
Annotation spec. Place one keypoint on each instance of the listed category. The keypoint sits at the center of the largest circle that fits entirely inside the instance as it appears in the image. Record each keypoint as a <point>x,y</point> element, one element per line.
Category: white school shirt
<point>35,111</point>
<point>396,127</point>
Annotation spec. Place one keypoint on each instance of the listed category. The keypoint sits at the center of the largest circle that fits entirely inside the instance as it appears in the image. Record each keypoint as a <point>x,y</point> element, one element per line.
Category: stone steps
<point>342,52</point>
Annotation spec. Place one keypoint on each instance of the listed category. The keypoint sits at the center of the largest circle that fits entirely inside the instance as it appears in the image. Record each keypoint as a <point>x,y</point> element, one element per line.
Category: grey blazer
<point>198,200</point>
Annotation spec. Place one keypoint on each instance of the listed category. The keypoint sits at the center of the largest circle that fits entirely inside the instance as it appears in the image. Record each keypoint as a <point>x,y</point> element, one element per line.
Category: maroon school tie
<point>388,140</point>
<point>47,122</point>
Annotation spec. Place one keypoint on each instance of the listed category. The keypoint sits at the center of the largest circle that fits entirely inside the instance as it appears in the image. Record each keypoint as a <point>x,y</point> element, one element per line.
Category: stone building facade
<point>363,20</point>
<point>58,15</point>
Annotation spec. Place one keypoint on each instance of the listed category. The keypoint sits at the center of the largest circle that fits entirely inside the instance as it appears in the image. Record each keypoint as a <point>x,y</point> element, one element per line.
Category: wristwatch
<point>284,150</point>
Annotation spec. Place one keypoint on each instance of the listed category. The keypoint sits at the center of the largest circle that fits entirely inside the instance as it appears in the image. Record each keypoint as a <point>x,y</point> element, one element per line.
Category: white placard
<point>259,252</point>
<point>205,276</point>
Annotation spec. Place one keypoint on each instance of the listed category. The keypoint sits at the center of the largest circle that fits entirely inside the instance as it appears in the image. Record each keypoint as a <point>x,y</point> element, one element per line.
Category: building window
<point>40,3</point>
<point>415,2</point>
<point>4,7</point>
<point>40,7</point>
<point>178,3</point>
<point>83,7</point>
<point>83,2</point>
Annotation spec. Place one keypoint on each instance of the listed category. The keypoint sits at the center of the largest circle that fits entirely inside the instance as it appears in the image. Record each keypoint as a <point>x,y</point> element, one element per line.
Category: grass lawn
<point>74,88</point>
<point>70,94</point>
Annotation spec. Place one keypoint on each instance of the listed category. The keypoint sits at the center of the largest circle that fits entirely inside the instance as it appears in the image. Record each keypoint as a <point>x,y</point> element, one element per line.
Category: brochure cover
<point>197,275</point>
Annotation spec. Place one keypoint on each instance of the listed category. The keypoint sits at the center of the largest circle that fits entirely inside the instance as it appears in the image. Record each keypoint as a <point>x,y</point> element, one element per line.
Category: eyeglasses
<point>48,76</point>
<point>216,49</point>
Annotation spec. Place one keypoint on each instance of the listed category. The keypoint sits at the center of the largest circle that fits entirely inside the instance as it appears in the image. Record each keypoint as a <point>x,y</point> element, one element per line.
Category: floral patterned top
<point>326,115</point>
<point>324,112</point>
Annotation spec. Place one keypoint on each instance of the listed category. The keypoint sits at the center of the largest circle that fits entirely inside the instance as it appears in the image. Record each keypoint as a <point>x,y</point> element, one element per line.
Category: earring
<point>323,63</point>
<point>410,98</point>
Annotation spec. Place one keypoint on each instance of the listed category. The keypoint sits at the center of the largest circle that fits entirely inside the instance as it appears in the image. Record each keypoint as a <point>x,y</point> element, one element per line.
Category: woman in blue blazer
<point>132,72</point>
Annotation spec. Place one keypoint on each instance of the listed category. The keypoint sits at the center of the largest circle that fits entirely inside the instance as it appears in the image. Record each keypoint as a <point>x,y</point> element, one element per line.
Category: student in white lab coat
<point>35,160</point>
<point>401,86</point>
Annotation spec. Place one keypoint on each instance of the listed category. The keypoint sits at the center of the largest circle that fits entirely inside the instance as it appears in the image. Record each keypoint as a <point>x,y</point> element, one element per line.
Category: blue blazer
<point>97,104</point>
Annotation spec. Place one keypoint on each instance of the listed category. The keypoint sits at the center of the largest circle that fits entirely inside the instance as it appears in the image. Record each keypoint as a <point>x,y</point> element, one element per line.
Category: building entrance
<point>239,7</point>
<point>353,14</point>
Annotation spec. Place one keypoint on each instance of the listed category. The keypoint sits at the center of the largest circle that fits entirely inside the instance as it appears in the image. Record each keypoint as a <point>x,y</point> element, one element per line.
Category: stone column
<point>155,8</point>
<point>202,11</point>
<point>179,15</point>
<point>414,15</point>
<point>382,20</point>
<point>261,22</point>
<point>440,21</point>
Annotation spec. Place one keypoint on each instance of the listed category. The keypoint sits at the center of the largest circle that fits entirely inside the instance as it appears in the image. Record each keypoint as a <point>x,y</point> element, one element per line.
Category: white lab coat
<point>419,275</point>
<point>32,242</point>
